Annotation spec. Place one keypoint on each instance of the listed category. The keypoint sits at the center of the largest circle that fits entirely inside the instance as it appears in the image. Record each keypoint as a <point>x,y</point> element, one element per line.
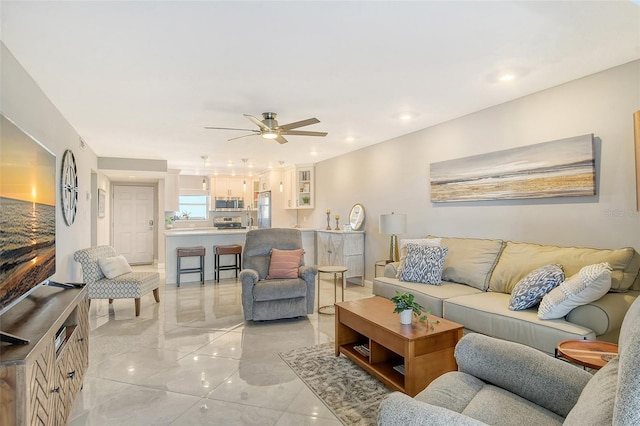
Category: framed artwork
<point>562,168</point>
<point>102,197</point>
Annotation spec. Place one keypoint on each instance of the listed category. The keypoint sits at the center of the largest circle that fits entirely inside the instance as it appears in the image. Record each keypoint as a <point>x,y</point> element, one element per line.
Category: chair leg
<point>156,295</point>
<point>137,301</point>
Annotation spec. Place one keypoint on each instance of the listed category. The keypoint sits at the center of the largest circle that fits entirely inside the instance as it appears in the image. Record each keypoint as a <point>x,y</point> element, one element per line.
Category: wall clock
<point>69,187</point>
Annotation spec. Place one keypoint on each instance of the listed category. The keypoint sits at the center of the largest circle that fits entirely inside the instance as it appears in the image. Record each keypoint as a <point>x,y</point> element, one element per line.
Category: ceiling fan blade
<point>280,139</point>
<point>303,133</point>
<point>244,136</point>
<point>307,122</point>
<point>229,128</point>
<point>257,122</point>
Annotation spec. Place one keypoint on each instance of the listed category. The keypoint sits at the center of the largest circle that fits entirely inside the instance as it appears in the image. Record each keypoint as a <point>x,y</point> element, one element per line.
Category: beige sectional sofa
<point>479,275</point>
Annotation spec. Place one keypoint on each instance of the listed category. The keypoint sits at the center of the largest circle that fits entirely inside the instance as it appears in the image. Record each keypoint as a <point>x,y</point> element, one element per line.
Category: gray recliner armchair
<point>506,383</point>
<point>264,299</point>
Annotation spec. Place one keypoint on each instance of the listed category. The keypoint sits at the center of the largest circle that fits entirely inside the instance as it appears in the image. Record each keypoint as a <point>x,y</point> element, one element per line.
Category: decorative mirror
<point>356,217</point>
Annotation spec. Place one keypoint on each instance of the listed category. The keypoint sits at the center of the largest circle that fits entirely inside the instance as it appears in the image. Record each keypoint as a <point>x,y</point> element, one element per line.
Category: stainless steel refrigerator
<point>264,209</point>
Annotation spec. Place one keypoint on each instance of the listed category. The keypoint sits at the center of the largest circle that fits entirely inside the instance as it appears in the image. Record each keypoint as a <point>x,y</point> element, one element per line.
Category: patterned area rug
<point>349,391</point>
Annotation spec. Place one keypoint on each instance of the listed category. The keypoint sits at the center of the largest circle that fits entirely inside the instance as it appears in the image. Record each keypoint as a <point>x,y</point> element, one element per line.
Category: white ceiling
<point>142,79</point>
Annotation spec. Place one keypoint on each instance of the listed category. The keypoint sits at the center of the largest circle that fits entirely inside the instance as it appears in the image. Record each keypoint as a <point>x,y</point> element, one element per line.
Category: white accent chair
<point>132,285</point>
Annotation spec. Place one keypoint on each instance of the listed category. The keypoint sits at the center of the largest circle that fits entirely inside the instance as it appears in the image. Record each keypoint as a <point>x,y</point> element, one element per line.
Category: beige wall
<point>23,102</point>
<point>394,175</point>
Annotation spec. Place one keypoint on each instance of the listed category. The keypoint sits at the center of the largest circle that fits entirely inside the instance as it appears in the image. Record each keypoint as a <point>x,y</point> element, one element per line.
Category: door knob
<point>151,222</point>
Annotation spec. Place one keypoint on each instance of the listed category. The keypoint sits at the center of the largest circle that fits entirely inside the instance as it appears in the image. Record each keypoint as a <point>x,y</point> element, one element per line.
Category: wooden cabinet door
<point>40,400</point>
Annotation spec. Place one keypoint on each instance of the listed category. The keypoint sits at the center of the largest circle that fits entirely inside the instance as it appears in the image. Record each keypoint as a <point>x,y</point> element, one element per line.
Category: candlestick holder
<point>337,224</point>
<point>328,221</point>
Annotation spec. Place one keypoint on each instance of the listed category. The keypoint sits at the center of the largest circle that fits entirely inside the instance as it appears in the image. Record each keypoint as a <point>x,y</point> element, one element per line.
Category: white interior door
<point>133,222</point>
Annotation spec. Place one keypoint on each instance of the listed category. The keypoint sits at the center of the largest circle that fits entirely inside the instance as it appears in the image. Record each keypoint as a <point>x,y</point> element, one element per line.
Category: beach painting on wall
<point>562,168</point>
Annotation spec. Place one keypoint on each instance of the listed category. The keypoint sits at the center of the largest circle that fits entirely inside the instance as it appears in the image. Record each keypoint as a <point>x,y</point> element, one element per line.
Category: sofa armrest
<point>522,370</point>
<point>604,315</point>
<point>391,269</point>
<point>400,409</point>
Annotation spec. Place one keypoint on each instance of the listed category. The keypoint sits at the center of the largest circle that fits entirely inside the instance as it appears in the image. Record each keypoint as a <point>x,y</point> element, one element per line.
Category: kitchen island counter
<point>208,238</point>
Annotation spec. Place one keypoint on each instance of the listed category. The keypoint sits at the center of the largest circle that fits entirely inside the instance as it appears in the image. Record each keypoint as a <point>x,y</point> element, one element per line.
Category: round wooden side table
<point>588,353</point>
<point>335,270</point>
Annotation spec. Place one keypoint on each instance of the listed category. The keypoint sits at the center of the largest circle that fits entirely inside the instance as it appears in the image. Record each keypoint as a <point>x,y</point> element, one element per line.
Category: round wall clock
<point>69,187</point>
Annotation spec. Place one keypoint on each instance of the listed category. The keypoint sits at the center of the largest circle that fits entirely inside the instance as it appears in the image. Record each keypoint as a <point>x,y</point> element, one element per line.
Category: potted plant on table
<point>406,306</point>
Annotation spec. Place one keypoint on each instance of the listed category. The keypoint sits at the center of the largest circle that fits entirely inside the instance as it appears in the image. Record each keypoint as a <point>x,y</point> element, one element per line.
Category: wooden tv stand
<point>38,385</point>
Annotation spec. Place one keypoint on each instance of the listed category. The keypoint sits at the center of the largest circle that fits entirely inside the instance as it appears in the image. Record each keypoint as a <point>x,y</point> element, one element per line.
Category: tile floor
<point>192,359</point>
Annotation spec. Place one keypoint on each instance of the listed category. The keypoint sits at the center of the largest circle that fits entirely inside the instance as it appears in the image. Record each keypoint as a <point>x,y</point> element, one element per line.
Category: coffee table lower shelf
<point>383,371</point>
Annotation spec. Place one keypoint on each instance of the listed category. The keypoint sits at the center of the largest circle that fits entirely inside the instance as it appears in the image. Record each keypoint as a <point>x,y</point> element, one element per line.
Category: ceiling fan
<point>270,129</point>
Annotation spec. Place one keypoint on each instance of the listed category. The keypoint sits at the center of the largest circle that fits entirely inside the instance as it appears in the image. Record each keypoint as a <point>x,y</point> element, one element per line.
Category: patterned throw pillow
<point>417,241</point>
<point>114,266</point>
<point>284,263</point>
<point>424,264</point>
<point>530,290</point>
<point>589,284</point>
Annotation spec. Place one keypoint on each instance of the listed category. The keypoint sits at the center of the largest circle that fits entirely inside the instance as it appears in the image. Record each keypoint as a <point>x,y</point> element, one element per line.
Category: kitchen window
<point>193,207</point>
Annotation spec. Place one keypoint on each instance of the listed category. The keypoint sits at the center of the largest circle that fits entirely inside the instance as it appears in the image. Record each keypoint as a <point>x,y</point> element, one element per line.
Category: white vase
<point>405,316</point>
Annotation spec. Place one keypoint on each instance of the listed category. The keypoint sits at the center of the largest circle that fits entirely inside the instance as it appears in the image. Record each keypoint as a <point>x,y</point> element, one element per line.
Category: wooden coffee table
<point>423,353</point>
<point>588,353</point>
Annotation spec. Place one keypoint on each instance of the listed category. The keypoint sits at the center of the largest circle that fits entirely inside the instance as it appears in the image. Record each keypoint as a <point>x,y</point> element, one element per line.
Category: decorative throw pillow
<point>114,266</point>
<point>589,284</point>
<point>418,241</point>
<point>530,290</point>
<point>284,263</point>
<point>424,264</point>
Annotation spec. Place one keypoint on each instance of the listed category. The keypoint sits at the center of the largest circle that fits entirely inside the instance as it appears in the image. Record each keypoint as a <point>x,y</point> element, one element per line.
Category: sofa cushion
<point>429,296</point>
<point>588,285</point>
<point>488,313</point>
<point>424,264</point>
<point>284,263</point>
<point>531,289</point>
<point>518,259</point>
<point>470,261</point>
<point>403,249</point>
<point>596,402</point>
<point>114,266</point>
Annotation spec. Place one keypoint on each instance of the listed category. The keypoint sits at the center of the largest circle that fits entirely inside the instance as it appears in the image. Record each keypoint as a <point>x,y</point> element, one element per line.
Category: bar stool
<point>191,252</point>
<point>335,270</point>
<point>236,250</point>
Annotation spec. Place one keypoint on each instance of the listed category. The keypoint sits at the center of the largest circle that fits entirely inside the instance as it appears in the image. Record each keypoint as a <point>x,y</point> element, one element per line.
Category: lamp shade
<point>393,224</point>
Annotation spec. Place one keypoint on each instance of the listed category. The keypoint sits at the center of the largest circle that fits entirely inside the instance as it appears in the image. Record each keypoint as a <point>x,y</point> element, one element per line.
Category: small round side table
<point>588,353</point>
<point>335,270</point>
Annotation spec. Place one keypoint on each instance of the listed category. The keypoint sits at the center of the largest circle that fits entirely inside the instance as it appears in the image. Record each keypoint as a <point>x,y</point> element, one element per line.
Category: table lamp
<point>393,224</point>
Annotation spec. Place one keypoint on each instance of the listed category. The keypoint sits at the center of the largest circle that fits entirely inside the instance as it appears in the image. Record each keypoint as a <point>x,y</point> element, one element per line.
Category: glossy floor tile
<point>192,360</point>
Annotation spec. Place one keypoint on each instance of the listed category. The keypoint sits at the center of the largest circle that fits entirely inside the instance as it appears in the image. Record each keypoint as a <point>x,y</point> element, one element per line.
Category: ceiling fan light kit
<point>270,129</point>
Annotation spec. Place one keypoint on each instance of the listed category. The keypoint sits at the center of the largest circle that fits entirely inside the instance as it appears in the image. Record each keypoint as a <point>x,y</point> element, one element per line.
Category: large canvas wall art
<point>562,168</point>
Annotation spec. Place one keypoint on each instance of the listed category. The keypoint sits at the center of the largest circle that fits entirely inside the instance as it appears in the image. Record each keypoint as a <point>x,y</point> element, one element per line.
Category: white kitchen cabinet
<point>299,187</point>
<point>264,182</point>
<point>338,248</point>
<point>171,190</point>
<point>228,187</point>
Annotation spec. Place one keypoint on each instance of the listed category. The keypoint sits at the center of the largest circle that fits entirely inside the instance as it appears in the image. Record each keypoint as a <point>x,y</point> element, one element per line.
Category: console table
<point>339,248</point>
<point>39,381</point>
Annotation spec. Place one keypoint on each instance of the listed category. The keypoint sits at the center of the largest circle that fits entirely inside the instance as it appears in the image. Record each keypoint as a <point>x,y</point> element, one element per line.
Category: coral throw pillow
<point>284,263</point>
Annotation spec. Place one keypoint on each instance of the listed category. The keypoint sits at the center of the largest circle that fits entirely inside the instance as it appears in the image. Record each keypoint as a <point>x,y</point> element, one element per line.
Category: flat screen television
<point>27,215</point>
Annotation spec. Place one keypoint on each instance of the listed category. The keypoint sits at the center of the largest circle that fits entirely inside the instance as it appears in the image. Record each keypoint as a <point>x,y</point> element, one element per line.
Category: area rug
<point>347,390</point>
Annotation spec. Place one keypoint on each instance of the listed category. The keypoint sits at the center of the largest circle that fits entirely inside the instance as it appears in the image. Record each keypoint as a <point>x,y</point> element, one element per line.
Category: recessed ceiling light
<point>405,115</point>
<point>350,139</point>
<point>313,153</point>
<point>507,77</point>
